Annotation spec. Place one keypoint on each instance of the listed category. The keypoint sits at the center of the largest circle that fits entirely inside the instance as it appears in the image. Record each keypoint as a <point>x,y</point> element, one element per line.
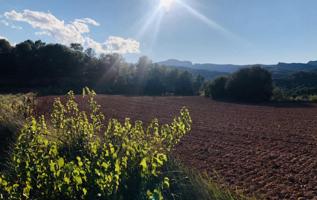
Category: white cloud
<point>120,45</point>
<point>42,33</point>
<point>81,27</point>
<point>114,44</point>
<point>98,47</point>
<point>64,33</point>
<point>82,24</point>
<point>16,27</point>
<point>6,23</point>
<point>88,21</point>
<point>73,32</point>
<point>2,37</point>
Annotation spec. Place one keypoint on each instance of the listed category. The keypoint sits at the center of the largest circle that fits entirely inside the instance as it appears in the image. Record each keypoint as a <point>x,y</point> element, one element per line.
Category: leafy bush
<point>313,98</point>
<point>216,88</point>
<point>250,84</point>
<point>279,95</point>
<point>73,155</point>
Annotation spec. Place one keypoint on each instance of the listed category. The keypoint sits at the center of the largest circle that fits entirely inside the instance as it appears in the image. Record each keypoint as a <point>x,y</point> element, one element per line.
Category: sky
<point>201,31</point>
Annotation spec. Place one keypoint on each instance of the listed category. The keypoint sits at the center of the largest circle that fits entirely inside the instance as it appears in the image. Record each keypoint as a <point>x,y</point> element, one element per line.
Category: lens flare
<point>166,4</point>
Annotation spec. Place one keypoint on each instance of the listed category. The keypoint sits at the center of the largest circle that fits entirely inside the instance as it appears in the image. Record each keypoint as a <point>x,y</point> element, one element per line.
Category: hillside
<point>208,70</point>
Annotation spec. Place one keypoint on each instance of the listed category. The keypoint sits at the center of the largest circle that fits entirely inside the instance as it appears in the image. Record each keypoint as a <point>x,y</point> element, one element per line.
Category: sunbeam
<point>166,4</point>
<point>150,20</point>
<point>153,21</point>
<point>156,28</point>
<point>212,24</point>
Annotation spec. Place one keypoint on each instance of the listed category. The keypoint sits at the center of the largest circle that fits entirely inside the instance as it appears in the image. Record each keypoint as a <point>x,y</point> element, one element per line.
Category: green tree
<point>5,46</point>
<point>198,84</point>
<point>185,84</point>
<point>250,84</point>
<point>216,89</point>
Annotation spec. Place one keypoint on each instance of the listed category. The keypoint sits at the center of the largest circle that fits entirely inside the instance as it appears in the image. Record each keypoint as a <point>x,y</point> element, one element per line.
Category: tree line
<point>56,69</point>
<point>298,84</point>
<point>253,84</point>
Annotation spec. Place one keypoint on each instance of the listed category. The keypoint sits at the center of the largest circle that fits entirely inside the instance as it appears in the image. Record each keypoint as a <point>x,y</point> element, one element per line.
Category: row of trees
<point>248,84</point>
<point>56,68</point>
<point>298,84</point>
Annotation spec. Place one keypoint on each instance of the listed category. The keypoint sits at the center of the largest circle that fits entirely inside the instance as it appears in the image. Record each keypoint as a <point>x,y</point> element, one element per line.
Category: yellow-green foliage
<point>313,98</point>
<point>73,155</point>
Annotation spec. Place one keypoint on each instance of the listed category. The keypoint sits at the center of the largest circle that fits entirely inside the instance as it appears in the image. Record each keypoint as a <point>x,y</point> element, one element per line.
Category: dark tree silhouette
<point>5,46</point>
<point>250,84</point>
<point>56,69</point>
<point>216,89</point>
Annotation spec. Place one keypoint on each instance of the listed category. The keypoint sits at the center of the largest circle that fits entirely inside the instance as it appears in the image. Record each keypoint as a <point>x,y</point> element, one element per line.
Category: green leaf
<point>166,182</point>
<point>143,164</point>
<point>60,162</point>
<point>78,180</point>
<point>66,180</point>
<point>84,191</point>
<point>52,166</point>
<point>105,165</point>
<point>117,167</point>
<point>26,190</point>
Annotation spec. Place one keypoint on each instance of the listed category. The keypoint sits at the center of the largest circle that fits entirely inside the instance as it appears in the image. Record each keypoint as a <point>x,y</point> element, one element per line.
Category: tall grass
<point>13,111</point>
<point>188,184</point>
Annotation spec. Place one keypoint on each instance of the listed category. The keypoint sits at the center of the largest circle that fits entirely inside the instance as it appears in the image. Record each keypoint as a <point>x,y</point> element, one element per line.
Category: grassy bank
<point>188,184</point>
<point>13,111</point>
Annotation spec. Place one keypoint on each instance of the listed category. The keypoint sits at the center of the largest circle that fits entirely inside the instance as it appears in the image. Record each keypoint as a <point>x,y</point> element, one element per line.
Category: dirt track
<point>263,149</point>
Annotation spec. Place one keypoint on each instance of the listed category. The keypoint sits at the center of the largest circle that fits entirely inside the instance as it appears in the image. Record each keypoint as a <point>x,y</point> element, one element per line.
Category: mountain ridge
<point>276,69</point>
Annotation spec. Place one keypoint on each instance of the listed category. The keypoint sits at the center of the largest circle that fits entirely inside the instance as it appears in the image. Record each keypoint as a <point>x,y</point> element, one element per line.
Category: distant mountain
<point>297,66</point>
<point>176,63</point>
<point>314,63</point>
<point>208,75</point>
<point>206,66</point>
<point>210,71</point>
<point>227,68</point>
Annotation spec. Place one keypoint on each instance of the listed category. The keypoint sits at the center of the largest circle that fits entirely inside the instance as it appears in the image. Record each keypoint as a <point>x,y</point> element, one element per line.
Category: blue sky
<point>214,31</point>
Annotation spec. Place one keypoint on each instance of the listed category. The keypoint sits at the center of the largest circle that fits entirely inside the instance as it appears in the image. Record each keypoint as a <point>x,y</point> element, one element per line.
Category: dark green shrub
<point>216,88</point>
<point>279,94</point>
<point>250,84</point>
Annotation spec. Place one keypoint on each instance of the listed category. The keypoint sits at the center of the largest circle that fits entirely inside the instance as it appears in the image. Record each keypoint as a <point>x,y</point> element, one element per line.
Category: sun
<point>166,4</point>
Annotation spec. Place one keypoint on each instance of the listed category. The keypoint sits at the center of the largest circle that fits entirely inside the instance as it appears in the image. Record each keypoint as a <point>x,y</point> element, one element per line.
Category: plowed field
<point>269,150</point>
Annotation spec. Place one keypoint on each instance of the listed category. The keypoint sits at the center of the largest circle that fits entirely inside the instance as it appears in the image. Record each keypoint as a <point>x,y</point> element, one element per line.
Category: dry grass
<point>13,111</point>
<point>188,184</point>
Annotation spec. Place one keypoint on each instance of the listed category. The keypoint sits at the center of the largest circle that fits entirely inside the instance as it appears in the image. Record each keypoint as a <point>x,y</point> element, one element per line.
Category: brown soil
<point>268,150</point>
